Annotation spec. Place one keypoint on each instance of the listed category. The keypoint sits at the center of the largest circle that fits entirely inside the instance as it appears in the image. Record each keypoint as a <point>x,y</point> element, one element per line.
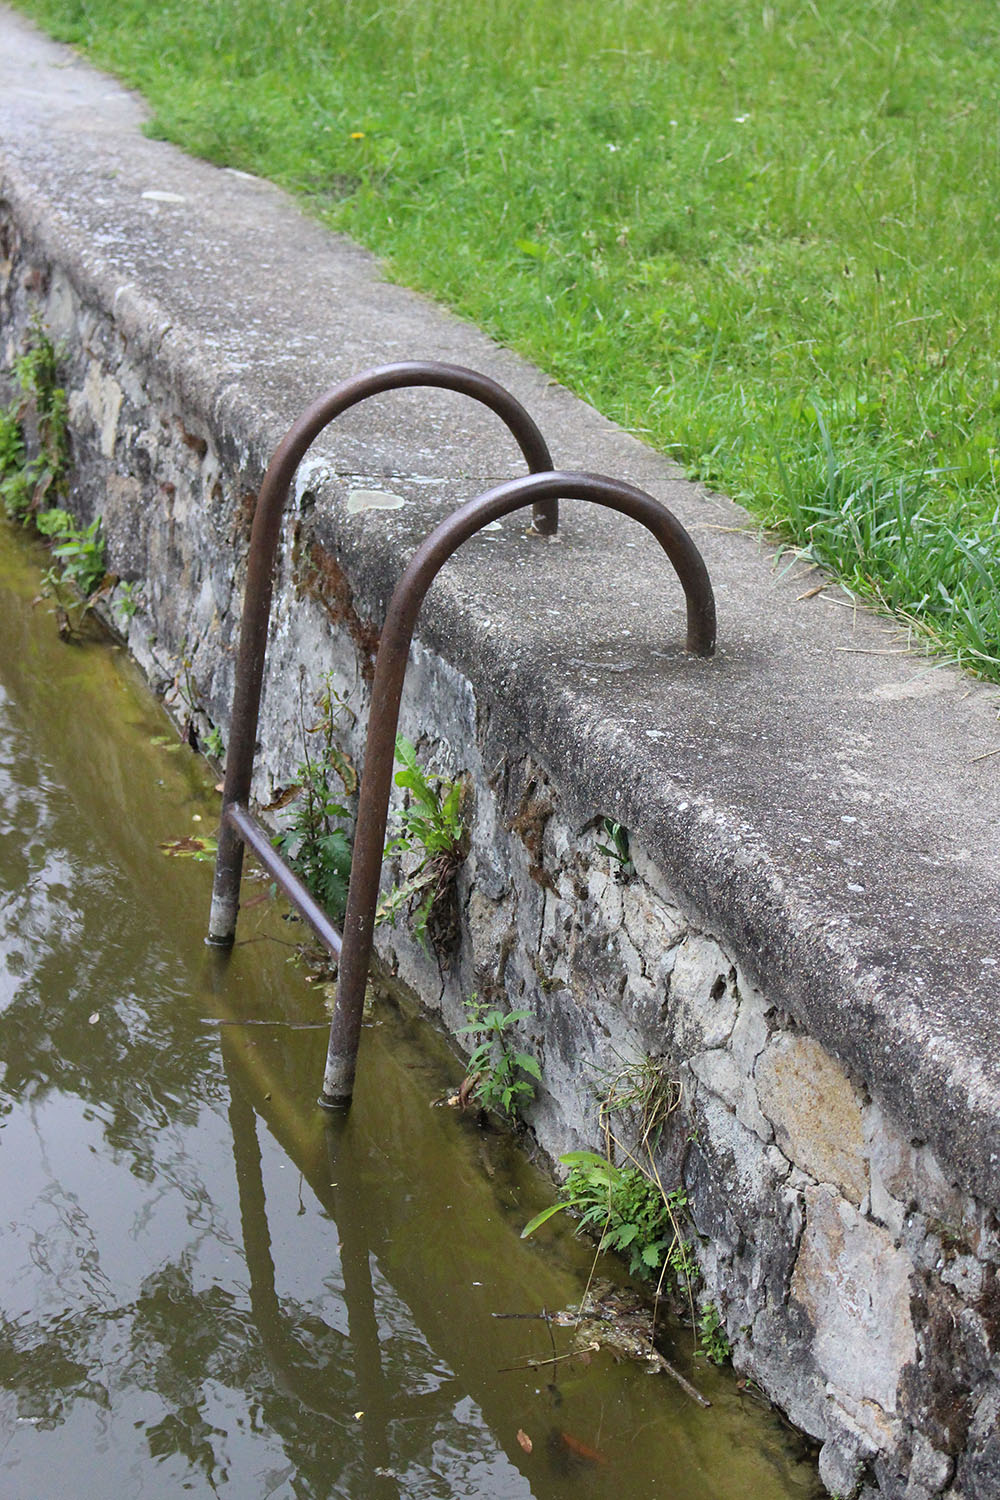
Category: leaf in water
<point>540,1219</point>
<point>466,1090</point>
<point>188,847</point>
<point>581,1450</point>
<point>524,1440</point>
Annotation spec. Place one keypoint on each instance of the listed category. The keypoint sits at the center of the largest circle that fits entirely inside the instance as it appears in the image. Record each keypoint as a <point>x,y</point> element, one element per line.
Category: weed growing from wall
<point>712,1339</point>
<point>621,1198</point>
<point>212,743</point>
<point>618,849</point>
<point>127,603</point>
<point>626,1205</point>
<point>432,841</point>
<point>622,1206</point>
<point>317,840</point>
<point>12,459</point>
<point>628,1212</point>
<point>79,549</point>
<point>501,1075</point>
<point>27,485</point>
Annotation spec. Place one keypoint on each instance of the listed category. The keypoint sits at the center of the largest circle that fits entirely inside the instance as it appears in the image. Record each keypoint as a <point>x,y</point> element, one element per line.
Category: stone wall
<point>857,1283</point>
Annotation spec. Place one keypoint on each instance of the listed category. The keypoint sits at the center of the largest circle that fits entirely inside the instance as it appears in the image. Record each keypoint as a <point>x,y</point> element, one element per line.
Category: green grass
<point>763,236</point>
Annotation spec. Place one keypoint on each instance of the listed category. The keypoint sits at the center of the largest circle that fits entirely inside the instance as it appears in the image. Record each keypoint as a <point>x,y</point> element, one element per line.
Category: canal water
<point>207,1287</point>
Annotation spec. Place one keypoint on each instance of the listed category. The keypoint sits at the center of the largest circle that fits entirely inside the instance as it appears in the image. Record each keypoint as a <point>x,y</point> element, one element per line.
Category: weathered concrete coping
<point>823,801</point>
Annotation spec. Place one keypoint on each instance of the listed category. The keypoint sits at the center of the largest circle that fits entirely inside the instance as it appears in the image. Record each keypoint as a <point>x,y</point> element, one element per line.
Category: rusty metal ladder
<point>542,489</point>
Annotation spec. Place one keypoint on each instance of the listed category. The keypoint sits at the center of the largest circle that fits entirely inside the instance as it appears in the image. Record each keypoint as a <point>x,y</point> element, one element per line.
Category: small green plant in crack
<point>79,550</point>
<point>317,839</point>
<point>635,1101</point>
<point>127,601</point>
<point>184,690</point>
<point>13,458</point>
<point>501,1075</point>
<point>184,693</point>
<point>433,841</point>
<point>712,1339</point>
<point>212,743</point>
<point>625,1203</point>
<point>28,484</point>
<point>618,849</point>
<point>623,1206</point>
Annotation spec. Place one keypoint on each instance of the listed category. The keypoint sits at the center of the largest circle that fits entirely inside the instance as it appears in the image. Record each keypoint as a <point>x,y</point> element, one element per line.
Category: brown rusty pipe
<point>264,537</point>
<point>387,688</point>
<point>256,839</point>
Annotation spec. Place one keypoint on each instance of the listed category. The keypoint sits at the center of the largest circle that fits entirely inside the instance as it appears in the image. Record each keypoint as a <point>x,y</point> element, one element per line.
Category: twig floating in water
<point>292,1025</point>
<point>536,1364</point>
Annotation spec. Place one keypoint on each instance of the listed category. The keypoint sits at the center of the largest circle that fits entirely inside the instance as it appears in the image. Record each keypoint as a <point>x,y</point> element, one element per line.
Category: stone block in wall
<point>904,1175</point>
<point>703,1000</point>
<point>854,1285</point>
<point>96,406</point>
<point>816,1112</point>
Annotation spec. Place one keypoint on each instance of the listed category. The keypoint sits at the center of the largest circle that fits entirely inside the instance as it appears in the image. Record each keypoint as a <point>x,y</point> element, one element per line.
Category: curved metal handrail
<point>387,688</point>
<point>264,537</point>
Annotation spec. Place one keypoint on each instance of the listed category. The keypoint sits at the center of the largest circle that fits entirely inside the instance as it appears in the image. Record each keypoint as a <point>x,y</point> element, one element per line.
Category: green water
<point>206,1287</point>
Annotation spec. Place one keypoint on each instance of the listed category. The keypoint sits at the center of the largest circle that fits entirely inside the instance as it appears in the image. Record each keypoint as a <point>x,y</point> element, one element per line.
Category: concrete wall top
<point>824,799</point>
